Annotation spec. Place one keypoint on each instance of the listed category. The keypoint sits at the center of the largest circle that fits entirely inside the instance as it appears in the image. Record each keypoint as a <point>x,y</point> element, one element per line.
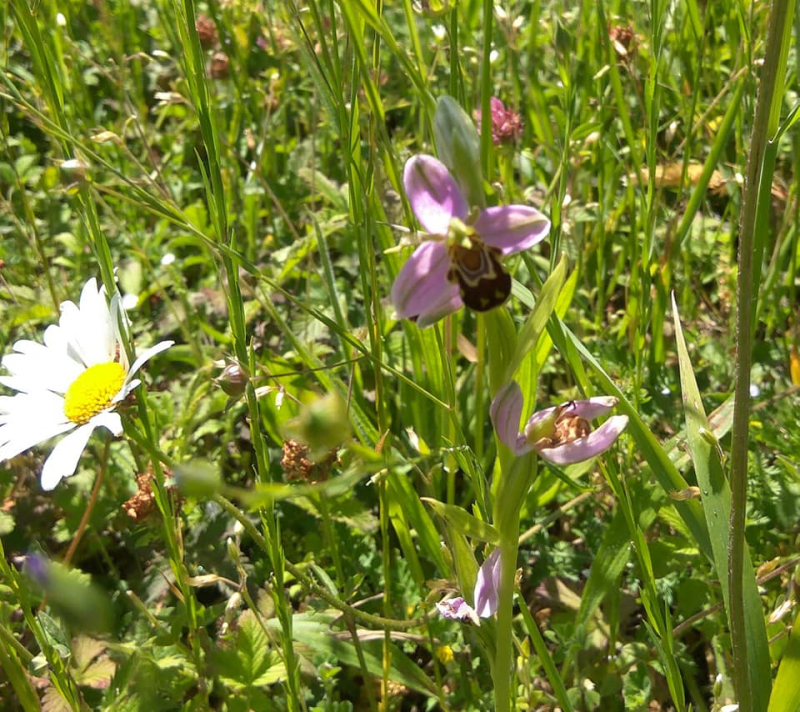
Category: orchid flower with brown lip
<point>460,261</point>
<point>562,434</point>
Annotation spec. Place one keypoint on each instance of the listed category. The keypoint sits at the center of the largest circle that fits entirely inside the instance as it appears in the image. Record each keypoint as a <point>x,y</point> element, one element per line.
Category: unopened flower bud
<point>322,426</point>
<point>233,549</point>
<point>234,602</point>
<point>197,479</point>
<point>74,171</point>
<point>37,569</point>
<point>459,147</point>
<point>220,67</point>
<point>233,379</point>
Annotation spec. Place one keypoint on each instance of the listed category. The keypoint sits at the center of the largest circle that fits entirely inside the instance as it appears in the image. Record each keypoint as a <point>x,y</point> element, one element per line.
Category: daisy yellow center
<point>92,391</point>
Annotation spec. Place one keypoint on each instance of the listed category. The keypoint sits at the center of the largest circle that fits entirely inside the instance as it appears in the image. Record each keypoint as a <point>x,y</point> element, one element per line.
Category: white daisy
<point>72,382</point>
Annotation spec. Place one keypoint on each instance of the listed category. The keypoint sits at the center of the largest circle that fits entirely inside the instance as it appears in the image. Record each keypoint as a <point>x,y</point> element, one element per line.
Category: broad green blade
<point>786,692</point>
<point>663,468</point>
<point>716,497</point>
<point>464,522</point>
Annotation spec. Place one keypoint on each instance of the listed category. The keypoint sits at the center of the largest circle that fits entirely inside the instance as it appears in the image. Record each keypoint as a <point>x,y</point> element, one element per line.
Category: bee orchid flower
<point>561,435</point>
<point>460,260</point>
<point>486,594</point>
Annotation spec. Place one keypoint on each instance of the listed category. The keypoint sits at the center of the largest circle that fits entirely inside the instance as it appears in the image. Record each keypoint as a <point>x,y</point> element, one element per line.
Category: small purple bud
<point>457,609</point>
<point>487,586</point>
<point>37,568</point>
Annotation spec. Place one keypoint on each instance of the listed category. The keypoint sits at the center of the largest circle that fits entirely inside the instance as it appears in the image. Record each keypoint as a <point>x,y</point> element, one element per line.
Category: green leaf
<point>607,567</point>
<point>716,497</point>
<point>6,523</point>
<point>401,494</point>
<point>786,692</point>
<point>314,630</point>
<point>538,318</point>
<point>252,663</point>
<point>501,335</point>
<point>15,671</point>
<point>563,301</point>
<point>546,660</point>
<point>464,522</point>
<point>54,635</point>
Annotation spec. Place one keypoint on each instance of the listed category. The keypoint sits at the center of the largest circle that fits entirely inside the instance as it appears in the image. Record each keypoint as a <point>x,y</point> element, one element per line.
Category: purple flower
<point>486,595</point>
<point>487,586</point>
<point>457,609</point>
<point>37,568</point>
<point>459,263</point>
<point>506,123</point>
<point>561,435</point>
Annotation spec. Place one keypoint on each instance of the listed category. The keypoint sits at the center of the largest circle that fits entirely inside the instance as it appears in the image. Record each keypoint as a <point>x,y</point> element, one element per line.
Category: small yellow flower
<point>445,654</point>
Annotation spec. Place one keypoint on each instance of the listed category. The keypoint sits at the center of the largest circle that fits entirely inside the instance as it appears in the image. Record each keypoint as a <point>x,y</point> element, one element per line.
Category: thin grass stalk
<point>480,387</point>
<point>218,209</point>
<point>766,118</point>
<point>486,89</point>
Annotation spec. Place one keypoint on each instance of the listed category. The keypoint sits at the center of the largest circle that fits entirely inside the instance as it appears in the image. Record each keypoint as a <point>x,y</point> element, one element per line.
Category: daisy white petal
<point>147,354</point>
<point>63,460</point>
<point>110,421</point>
<point>127,389</point>
<point>20,442</point>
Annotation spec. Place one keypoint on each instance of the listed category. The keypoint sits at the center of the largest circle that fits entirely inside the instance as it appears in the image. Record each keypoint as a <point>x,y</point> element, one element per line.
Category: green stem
<point>516,479</point>
<point>766,115</point>
<point>365,618</point>
<point>502,672</point>
<point>486,88</point>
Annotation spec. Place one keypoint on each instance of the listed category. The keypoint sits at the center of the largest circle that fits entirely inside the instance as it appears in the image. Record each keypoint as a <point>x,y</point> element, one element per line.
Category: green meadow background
<point>239,165</point>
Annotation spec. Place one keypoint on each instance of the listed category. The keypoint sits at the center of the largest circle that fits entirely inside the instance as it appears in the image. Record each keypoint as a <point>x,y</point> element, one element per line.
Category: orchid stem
<point>504,657</point>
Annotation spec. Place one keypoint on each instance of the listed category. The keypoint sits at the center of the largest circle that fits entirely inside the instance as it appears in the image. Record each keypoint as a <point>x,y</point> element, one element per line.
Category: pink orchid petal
<point>595,443</point>
<point>593,407</point>
<point>487,586</point>
<point>434,196</point>
<point>422,283</point>
<point>451,302</point>
<point>505,413</point>
<point>457,609</point>
<point>512,228</point>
